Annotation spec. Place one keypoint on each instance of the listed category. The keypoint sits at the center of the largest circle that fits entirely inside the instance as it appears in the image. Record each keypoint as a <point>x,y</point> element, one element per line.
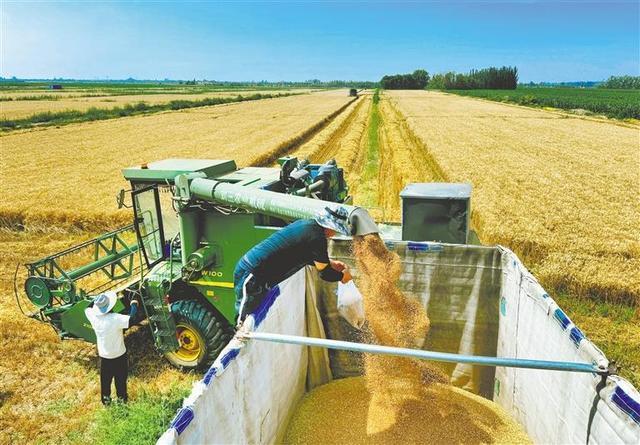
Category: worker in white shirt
<point>109,329</point>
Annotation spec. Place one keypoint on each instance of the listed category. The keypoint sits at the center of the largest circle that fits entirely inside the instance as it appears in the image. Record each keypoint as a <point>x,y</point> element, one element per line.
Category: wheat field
<point>71,174</point>
<point>20,109</point>
<point>562,191</point>
<point>62,184</point>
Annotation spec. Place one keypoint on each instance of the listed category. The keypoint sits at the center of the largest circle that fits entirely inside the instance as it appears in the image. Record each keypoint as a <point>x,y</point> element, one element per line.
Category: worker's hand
<point>338,265</point>
<point>346,275</point>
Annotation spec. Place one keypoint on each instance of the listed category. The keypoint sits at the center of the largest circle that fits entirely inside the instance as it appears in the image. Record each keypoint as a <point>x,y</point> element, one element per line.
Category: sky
<point>547,40</point>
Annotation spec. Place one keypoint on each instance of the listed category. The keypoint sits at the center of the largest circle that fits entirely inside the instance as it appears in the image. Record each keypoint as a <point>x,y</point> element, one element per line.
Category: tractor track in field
<point>269,158</point>
<point>398,159</point>
<point>343,140</point>
<point>403,159</point>
<point>338,138</point>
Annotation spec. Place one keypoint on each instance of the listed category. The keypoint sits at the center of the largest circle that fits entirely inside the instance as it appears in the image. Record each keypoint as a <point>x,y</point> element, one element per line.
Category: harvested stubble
<point>327,143</point>
<point>336,413</point>
<point>561,191</point>
<point>393,320</point>
<point>341,140</point>
<point>402,161</point>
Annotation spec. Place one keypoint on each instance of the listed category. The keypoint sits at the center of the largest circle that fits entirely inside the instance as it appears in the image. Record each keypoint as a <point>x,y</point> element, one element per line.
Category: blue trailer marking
<point>576,336</point>
<point>424,247</point>
<point>226,359</point>
<point>211,373</point>
<point>182,419</point>
<point>561,318</point>
<point>503,306</point>
<point>624,401</point>
<point>261,312</point>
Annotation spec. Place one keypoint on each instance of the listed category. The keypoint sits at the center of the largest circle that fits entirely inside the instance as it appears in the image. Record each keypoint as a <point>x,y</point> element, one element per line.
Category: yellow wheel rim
<point>191,343</point>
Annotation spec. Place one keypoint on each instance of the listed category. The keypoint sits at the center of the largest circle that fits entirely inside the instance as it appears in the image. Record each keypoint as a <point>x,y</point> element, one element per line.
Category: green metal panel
<point>234,235</point>
<point>252,177</point>
<point>189,232</point>
<point>168,169</point>
<point>112,257</point>
<point>75,322</point>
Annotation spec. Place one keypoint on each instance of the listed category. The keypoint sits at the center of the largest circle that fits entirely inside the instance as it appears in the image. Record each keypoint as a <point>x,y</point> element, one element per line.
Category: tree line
<point>417,80</point>
<point>505,78</point>
<point>622,82</point>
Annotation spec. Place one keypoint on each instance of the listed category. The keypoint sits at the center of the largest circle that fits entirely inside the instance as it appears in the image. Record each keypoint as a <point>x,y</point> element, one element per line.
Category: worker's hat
<point>334,219</point>
<point>104,302</point>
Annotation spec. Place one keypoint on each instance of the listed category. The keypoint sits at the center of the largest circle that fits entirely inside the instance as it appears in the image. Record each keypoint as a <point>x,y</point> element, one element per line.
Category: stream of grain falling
<point>394,320</point>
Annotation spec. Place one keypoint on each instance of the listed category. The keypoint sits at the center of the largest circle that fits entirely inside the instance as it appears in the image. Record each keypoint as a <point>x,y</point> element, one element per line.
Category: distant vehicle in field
<point>55,86</point>
<point>353,92</point>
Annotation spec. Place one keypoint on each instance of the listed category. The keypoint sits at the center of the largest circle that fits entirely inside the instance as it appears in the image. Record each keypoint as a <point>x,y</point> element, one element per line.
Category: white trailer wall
<point>249,392</point>
<point>481,301</point>
<point>557,407</point>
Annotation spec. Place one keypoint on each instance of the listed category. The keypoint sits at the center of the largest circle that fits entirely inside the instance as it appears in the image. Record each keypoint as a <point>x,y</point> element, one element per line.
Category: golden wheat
<point>72,173</point>
<point>562,191</point>
<point>20,109</point>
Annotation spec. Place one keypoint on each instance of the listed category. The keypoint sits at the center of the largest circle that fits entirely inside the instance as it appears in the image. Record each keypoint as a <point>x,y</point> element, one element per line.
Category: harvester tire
<point>202,333</point>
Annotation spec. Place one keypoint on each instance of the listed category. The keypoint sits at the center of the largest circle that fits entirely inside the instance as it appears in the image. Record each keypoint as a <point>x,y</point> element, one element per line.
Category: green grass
<point>621,104</point>
<point>614,328</point>
<point>94,114</point>
<point>369,180</point>
<point>141,421</point>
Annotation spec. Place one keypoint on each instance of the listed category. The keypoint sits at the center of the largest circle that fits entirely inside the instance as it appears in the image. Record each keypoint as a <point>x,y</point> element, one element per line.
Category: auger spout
<point>279,205</point>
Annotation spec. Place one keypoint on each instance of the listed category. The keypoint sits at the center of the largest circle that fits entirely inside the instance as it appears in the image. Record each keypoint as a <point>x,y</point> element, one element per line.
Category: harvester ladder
<point>163,326</point>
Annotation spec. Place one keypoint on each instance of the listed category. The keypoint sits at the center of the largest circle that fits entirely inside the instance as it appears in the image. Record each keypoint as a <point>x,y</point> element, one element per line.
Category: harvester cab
<point>192,222</point>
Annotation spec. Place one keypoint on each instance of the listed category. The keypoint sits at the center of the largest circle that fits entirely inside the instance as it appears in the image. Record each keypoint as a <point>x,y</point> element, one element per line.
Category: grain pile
<point>336,413</point>
<point>393,320</point>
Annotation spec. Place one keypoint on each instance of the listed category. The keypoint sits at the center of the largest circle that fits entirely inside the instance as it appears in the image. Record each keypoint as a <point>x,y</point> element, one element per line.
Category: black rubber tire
<point>209,325</point>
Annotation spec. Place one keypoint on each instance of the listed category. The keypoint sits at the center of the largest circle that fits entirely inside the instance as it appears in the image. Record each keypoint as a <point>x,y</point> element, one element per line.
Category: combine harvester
<point>498,332</point>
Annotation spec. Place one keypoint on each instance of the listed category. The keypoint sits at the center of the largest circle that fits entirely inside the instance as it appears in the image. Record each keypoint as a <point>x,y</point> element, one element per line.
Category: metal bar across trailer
<point>425,355</point>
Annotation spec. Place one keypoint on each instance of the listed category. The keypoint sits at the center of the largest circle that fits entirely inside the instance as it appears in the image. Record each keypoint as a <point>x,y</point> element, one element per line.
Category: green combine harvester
<point>192,221</point>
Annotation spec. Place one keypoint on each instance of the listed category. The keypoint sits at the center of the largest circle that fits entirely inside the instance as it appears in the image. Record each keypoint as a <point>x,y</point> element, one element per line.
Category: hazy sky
<point>547,40</point>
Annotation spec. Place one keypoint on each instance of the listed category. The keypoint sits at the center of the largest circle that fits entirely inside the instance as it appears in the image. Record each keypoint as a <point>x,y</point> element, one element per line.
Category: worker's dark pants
<point>114,369</point>
<point>249,289</point>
